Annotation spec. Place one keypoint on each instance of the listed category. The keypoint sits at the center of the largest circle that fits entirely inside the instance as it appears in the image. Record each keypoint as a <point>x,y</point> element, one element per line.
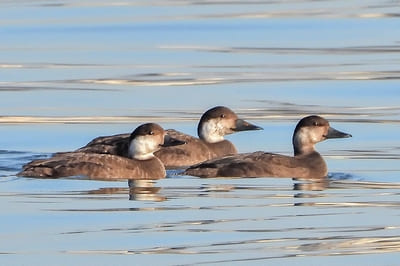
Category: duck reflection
<point>144,190</point>
<point>310,184</point>
<point>137,190</point>
<point>307,184</point>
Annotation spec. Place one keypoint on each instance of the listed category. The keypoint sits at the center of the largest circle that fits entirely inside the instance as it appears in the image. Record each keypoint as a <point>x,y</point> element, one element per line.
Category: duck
<point>213,126</point>
<point>306,163</point>
<point>141,164</point>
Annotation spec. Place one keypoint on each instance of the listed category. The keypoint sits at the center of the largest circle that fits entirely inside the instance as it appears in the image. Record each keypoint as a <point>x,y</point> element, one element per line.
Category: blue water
<point>73,70</point>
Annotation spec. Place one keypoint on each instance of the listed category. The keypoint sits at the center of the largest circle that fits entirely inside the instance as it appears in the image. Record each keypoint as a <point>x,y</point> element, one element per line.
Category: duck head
<point>220,121</point>
<point>147,139</point>
<point>311,130</point>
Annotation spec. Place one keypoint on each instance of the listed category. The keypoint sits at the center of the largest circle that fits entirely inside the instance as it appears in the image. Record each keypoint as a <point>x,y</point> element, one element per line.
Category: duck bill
<point>170,141</point>
<point>242,125</point>
<point>335,134</point>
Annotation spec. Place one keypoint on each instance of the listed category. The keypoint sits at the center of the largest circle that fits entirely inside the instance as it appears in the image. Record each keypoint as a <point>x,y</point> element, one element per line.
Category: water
<point>74,70</point>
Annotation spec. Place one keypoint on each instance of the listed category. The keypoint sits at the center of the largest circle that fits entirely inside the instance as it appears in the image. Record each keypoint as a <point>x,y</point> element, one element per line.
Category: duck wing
<point>257,164</point>
<point>192,152</point>
<point>94,166</point>
<point>119,144</point>
<point>115,144</point>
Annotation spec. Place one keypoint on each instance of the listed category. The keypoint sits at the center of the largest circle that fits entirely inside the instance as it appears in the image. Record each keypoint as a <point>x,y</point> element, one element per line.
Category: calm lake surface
<point>73,70</point>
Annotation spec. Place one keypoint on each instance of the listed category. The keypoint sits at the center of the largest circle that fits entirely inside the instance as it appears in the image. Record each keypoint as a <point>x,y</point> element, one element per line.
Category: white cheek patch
<point>315,136</point>
<point>142,148</point>
<point>307,135</point>
<point>212,131</point>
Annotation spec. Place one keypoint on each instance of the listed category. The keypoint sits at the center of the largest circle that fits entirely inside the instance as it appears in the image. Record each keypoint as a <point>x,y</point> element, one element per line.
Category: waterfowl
<point>306,162</point>
<point>141,164</point>
<point>214,124</point>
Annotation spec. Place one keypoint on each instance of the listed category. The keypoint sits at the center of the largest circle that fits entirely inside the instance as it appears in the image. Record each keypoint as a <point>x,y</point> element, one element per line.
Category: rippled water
<point>74,70</point>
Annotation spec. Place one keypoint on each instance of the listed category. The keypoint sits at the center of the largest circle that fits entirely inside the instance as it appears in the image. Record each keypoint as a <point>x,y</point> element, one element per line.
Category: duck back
<point>94,166</point>
<point>261,164</point>
<point>115,145</point>
<point>193,152</point>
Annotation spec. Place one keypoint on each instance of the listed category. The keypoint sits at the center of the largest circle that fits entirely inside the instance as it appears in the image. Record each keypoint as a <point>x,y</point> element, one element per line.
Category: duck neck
<point>302,146</point>
<point>139,149</point>
<point>222,148</point>
<point>303,150</point>
<point>210,132</point>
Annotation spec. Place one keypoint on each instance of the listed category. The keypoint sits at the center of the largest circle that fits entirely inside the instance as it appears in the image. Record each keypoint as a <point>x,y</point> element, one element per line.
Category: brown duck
<point>306,162</point>
<point>141,164</point>
<point>213,126</point>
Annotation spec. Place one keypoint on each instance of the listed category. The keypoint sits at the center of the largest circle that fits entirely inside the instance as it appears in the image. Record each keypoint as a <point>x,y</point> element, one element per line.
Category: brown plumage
<point>196,150</point>
<point>116,145</point>
<point>307,162</point>
<point>213,126</point>
<point>142,164</point>
<point>95,166</point>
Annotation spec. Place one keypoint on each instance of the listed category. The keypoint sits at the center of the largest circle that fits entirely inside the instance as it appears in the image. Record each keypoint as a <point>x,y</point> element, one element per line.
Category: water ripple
<point>324,246</point>
<point>275,110</point>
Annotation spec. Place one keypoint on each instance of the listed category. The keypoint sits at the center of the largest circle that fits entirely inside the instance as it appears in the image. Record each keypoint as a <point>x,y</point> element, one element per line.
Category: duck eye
<point>151,133</point>
<point>222,116</point>
<point>315,124</point>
